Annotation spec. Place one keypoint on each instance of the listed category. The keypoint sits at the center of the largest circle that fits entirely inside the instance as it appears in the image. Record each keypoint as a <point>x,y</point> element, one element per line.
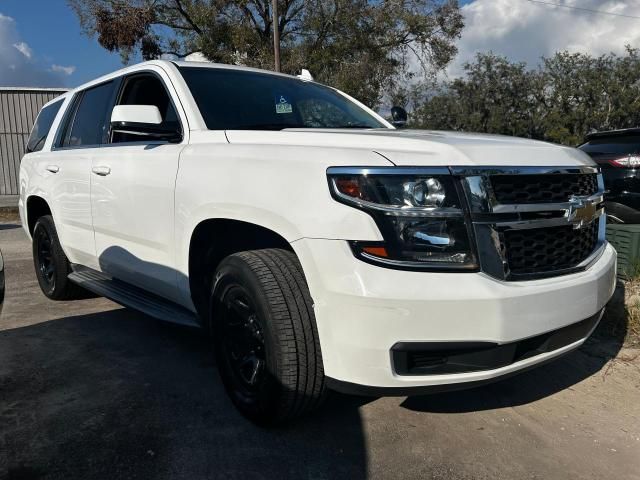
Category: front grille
<point>544,250</point>
<point>550,188</point>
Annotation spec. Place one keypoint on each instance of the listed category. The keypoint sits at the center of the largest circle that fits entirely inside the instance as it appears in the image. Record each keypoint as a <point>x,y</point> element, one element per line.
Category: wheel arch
<point>214,239</point>
<point>36,207</point>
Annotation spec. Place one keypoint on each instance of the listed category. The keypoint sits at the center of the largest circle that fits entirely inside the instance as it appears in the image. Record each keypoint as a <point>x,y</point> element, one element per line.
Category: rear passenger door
<point>132,191</point>
<point>81,134</point>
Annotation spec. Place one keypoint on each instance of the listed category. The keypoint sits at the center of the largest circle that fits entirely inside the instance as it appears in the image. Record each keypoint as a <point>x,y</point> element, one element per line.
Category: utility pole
<point>276,33</point>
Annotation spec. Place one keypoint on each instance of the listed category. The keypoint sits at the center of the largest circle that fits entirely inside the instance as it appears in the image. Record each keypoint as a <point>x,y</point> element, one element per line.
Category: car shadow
<point>9,226</point>
<point>119,395</point>
<point>116,394</point>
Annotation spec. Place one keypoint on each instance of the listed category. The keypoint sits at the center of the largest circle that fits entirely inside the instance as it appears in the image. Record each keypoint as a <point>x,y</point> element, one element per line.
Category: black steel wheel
<point>44,258</point>
<point>51,264</point>
<point>265,337</point>
<point>242,343</point>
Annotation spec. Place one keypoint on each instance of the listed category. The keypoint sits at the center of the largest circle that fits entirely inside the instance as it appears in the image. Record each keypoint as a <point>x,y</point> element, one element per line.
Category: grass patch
<point>621,321</point>
<point>9,214</point>
<point>632,309</point>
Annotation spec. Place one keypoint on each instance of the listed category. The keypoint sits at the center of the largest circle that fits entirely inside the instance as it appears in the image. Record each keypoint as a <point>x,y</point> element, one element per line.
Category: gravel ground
<point>91,390</point>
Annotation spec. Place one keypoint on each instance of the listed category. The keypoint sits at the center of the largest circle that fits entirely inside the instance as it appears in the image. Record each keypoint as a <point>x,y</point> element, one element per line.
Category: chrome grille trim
<point>540,207</point>
<point>490,218</point>
<point>501,170</point>
<point>481,198</point>
<point>541,223</point>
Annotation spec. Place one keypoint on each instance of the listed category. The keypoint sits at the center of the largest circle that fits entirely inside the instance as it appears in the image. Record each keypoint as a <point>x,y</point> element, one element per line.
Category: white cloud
<point>62,69</point>
<point>19,67</point>
<point>525,31</point>
<point>24,49</point>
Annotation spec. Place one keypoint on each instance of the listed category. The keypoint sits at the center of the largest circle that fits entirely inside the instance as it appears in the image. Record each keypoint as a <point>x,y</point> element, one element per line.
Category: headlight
<point>424,193</point>
<point>418,211</point>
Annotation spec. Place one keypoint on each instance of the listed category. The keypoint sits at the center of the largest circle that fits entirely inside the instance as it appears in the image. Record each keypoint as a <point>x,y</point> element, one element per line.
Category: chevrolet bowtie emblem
<point>581,211</point>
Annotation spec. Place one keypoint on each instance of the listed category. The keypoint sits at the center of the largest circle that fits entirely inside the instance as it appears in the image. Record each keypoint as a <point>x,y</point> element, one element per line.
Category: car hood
<point>424,147</point>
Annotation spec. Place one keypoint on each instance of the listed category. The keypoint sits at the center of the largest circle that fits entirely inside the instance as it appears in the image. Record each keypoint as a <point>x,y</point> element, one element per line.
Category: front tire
<point>51,264</point>
<point>265,336</point>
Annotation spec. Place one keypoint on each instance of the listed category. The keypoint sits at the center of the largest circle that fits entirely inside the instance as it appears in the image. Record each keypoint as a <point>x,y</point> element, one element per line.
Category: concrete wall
<point>19,108</point>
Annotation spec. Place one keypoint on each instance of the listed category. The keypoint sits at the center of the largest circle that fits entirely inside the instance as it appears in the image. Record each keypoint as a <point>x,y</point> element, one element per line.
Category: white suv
<point>321,247</point>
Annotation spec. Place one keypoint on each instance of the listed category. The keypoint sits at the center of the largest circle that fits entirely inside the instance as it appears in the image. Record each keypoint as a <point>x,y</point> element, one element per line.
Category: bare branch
<point>187,18</point>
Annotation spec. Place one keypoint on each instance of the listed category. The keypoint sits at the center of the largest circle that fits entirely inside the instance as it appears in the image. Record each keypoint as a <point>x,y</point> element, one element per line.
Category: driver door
<point>132,192</point>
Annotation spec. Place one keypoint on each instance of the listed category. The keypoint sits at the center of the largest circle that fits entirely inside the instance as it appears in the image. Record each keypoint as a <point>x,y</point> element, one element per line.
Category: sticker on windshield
<point>283,105</point>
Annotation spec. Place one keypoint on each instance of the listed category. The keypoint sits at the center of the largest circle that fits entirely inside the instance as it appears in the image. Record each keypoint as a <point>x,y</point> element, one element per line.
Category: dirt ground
<point>91,390</point>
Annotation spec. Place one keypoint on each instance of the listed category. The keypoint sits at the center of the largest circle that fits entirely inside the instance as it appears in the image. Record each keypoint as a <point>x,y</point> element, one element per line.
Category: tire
<point>265,336</point>
<point>51,264</point>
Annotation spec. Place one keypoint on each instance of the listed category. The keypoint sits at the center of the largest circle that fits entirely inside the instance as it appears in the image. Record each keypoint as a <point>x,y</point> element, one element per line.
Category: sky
<point>524,30</point>
<point>41,43</point>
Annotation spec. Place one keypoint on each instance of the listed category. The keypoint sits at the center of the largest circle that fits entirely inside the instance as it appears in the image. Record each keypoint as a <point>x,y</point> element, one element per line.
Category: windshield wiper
<point>354,125</point>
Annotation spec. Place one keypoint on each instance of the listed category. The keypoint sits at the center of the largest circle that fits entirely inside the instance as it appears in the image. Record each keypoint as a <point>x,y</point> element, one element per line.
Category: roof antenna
<point>306,75</point>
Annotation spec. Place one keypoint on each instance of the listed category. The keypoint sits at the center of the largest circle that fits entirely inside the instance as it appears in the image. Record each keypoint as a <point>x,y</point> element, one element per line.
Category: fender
<point>226,181</point>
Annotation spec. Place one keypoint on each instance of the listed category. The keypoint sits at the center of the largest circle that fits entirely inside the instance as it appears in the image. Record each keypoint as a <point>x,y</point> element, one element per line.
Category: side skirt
<point>132,297</point>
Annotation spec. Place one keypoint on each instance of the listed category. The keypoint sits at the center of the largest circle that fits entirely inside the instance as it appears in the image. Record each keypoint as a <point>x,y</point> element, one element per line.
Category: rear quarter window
<point>87,122</point>
<point>41,128</point>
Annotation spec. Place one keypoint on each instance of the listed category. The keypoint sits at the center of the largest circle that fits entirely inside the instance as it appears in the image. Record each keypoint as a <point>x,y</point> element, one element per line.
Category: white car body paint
<point>141,217</point>
<point>136,113</point>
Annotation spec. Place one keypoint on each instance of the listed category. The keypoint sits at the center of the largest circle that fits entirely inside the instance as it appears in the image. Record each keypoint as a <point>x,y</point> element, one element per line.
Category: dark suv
<point>617,152</point>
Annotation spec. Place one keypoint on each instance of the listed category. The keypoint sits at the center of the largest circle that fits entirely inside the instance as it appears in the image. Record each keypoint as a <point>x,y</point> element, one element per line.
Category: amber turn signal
<point>376,251</point>
<point>348,186</point>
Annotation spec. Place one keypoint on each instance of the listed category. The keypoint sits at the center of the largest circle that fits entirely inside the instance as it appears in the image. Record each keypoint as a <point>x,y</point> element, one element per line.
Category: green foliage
<point>568,96</point>
<point>364,47</point>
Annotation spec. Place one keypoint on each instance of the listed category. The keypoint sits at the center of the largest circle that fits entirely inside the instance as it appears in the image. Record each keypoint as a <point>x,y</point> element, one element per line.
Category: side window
<point>42,126</point>
<point>89,120</point>
<point>147,89</point>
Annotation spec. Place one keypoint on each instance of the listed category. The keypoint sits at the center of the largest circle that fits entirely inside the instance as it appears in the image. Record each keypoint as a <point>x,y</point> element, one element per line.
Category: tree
<point>584,93</point>
<point>562,100</point>
<point>494,96</point>
<point>364,47</point>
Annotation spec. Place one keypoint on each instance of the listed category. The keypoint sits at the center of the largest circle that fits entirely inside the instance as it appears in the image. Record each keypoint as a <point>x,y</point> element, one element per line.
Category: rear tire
<point>51,264</point>
<point>265,336</point>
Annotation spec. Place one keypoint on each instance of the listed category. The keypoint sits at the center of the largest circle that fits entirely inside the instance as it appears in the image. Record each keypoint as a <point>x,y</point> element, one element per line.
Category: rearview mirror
<point>142,120</point>
<point>398,117</point>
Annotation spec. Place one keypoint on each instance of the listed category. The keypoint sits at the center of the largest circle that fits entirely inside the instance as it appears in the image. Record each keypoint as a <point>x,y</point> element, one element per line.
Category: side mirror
<point>398,117</point>
<point>142,120</point>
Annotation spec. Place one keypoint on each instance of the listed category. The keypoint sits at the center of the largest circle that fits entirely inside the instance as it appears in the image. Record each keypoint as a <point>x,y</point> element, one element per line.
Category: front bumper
<point>362,311</point>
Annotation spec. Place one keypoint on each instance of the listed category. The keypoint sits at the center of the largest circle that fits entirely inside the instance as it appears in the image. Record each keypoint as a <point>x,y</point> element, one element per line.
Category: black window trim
<point>67,119</point>
<point>120,90</point>
<point>66,125</point>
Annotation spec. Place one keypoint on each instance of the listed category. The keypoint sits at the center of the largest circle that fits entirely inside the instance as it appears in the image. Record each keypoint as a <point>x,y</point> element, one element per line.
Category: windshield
<point>242,100</point>
<point>614,145</point>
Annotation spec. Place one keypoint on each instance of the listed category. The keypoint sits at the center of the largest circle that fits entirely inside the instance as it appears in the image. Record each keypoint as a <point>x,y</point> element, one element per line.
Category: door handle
<point>53,168</point>
<point>102,171</point>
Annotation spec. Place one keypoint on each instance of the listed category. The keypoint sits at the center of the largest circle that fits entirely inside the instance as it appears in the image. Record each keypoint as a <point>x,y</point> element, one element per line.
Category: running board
<point>132,297</point>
